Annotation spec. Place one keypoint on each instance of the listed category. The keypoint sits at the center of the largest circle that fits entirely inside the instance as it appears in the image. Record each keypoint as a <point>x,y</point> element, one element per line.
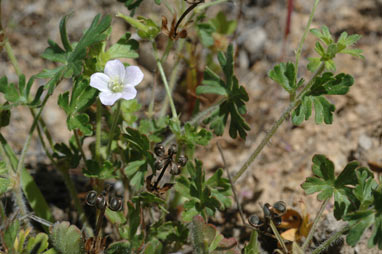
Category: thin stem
<point>299,49</point>
<point>206,5</point>
<point>277,124</point>
<point>162,173</point>
<point>189,9</point>
<point>11,56</point>
<point>98,132</point>
<point>78,141</point>
<point>164,79</point>
<point>315,223</point>
<point>278,236</point>
<point>113,126</point>
<point>28,140</point>
<point>67,180</point>
<point>331,239</point>
<point>173,79</point>
<point>198,118</point>
<point>232,185</point>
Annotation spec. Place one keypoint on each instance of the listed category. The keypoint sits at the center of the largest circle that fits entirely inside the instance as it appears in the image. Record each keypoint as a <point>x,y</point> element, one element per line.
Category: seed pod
<point>115,204</point>
<point>175,169</point>
<point>277,220</point>
<point>255,221</point>
<point>279,208</point>
<point>267,210</point>
<point>101,202</point>
<point>159,150</point>
<point>172,150</point>
<point>91,198</point>
<point>158,164</point>
<point>182,160</point>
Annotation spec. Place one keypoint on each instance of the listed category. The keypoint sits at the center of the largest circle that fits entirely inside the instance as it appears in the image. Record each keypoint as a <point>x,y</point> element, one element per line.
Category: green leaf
<point>253,244</point>
<point>359,222</point>
<point>146,28</point>
<point>124,48</point>
<point>314,63</point>
<point>4,183</point>
<point>285,75</point>
<point>115,217</point>
<point>5,116</point>
<point>119,247</point>
<point>66,238</point>
<point>106,171</point>
<point>129,108</point>
<point>30,189</point>
<point>205,32</point>
<point>236,96</point>
<point>10,233</point>
<point>222,25</point>
<point>81,122</point>
<point>323,110</point>
<point>303,111</point>
<point>64,36</point>
<point>38,244</point>
<point>211,87</point>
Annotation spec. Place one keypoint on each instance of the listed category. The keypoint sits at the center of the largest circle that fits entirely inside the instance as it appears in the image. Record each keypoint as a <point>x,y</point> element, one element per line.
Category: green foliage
<point>203,196</point>
<point>206,239</point>
<point>235,97</point>
<point>36,245</point>
<point>205,32</point>
<point>81,98</point>
<point>357,197</point>
<point>222,25</point>
<point>10,233</point>
<point>285,75</point>
<point>253,244</point>
<point>326,84</point>
<point>146,28</point>
<point>4,178</point>
<point>138,155</point>
<point>129,109</point>
<point>132,5</point>
<point>326,55</point>
<point>73,54</point>
<point>154,128</point>
<point>66,238</point>
<point>19,94</point>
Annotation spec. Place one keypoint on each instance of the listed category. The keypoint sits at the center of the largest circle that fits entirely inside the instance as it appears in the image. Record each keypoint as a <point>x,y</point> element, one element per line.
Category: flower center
<point>115,85</point>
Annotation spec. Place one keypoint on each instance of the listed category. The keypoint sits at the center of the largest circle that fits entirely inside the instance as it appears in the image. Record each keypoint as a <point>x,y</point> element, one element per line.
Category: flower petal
<point>100,81</point>
<point>114,69</point>
<point>109,98</point>
<point>129,93</point>
<point>134,76</point>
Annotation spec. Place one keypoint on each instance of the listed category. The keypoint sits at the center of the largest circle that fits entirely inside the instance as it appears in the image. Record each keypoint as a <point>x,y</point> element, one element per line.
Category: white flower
<point>116,82</point>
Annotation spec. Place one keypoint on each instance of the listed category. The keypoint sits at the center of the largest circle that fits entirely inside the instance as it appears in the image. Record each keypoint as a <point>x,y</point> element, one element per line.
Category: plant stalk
<point>331,239</point>
<point>98,132</point>
<point>315,223</point>
<point>278,236</point>
<point>277,124</point>
<point>299,49</point>
<point>165,83</point>
<point>113,126</point>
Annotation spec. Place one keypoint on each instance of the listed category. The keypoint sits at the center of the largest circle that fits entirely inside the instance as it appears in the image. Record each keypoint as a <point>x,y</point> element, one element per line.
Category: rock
<point>365,142</point>
<point>254,40</point>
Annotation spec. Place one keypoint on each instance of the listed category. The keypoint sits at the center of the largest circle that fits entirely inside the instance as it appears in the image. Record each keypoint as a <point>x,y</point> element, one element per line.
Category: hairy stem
<point>277,124</point>
<point>11,56</point>
<point>78,141</point>
<point>209,4</point>
<point>299,49</point>
<point>98,132</point>
<point>165,83</point>
<point>331,239</point>
<point>315,223</point>
<point>113,126</point>
<point>173,78</point>
<point>278,236</point>
<point>28,140</point>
